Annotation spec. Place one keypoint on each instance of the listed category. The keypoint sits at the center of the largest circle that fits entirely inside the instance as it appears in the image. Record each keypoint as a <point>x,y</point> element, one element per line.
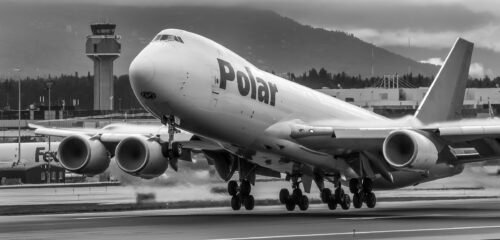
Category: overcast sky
<point>429,24</point>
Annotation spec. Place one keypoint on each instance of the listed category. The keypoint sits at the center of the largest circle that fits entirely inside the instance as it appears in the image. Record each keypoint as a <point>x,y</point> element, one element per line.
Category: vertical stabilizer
<point>444,99</point>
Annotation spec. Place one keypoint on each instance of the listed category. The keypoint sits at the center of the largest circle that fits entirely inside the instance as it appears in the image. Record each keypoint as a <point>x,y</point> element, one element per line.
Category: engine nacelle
<point>141,157</point>
<point>223,163</point>
<point>409,149</point>
<point>83,155</point>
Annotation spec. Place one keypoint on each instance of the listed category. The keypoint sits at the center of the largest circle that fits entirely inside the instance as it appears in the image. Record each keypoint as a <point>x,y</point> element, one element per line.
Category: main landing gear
<point>362,192</point>
<point>294,199</point>
<point>339,197</point>
<point>241,195</point>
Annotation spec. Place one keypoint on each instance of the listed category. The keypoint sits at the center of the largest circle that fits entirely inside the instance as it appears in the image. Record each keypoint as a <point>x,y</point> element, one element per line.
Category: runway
<point>450,219</point>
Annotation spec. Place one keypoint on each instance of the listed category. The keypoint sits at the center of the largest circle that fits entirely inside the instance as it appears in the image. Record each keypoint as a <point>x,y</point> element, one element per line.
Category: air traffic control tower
<point>103,47</point>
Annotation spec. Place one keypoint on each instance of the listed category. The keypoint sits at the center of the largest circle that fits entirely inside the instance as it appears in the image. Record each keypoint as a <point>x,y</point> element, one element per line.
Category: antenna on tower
<point>409,63</point>
<point>372,71</point>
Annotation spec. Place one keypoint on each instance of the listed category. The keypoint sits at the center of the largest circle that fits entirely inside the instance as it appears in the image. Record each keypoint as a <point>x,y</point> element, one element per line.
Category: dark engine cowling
<point>141,157</point>
<point>224,163</point>
<point>409,149</point>
<point>83,155</point>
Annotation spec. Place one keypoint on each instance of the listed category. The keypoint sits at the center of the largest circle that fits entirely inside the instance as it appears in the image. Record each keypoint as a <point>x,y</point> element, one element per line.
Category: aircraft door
<point>215,82</point>
<point>215,90</point>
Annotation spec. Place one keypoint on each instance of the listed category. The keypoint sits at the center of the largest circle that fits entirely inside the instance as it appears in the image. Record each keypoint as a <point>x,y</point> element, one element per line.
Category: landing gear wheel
<point>332,203</point>
<point>245,188</point>
<point>371,200</point>
<point>284,195</point>
<point>236,202</point>
<point>297,195</point>
<point>346,202</point>
<point>176,150</point>
<point>232,188</point>
<point>249,202</point>
<point>339,193</point>
<point>325,195</point>
<point>353,185</point>
<point>290,204</point>
<point>304,203</point>
<point>367,185</point>
<point>357,202</point>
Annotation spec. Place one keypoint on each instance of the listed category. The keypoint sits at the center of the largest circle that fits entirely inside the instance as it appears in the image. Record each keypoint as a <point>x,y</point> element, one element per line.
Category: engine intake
<point>409,149</point>
<point>141,157</point>
<point>81,154</point>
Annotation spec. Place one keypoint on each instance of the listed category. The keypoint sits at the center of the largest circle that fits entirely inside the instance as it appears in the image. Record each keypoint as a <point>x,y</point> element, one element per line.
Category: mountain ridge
<point>50,39</point>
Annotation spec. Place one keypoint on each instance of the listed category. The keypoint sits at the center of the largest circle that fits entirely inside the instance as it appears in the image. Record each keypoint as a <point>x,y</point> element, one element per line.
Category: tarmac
<point>440,219</point>
<point>462,207</point>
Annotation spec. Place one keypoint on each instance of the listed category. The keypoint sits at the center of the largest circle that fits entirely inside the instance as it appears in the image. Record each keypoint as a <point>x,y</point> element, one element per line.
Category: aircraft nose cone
<point>141,71</point>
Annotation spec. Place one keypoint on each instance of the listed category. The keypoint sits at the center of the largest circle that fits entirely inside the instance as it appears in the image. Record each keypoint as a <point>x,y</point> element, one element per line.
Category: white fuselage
<point>31,152</point>
<point>219,95</point>
<point>186,81</point>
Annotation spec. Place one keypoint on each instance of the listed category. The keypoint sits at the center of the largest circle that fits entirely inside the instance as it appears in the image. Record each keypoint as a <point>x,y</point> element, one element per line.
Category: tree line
<point>324,79</point>
<point>71,90</point>
<point>77,91</point>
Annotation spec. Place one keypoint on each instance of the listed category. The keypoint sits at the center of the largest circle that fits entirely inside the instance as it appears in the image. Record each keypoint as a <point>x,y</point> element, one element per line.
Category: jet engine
<point>84,155</point>
<point>409,149</point>
<point>224,163</point>
<point>141,157</point>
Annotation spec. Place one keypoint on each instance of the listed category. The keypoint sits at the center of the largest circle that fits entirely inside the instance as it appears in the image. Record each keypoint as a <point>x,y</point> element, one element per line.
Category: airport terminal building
<point>395,102</point>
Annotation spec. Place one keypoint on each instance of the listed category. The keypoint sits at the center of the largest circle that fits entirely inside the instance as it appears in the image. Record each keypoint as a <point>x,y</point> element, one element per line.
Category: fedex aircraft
<point>252,122</point>
<point>31,153</point>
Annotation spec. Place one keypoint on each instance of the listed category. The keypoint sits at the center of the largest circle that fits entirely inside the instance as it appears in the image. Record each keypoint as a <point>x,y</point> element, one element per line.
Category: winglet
<point>444,99</point>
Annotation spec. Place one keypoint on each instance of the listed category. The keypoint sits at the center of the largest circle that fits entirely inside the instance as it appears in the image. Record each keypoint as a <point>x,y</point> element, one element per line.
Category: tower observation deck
<point>103,47</point>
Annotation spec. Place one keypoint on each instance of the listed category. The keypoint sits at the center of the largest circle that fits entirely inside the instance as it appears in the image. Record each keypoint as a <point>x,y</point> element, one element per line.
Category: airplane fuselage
<point>31,152</point>
<point>219,95</point>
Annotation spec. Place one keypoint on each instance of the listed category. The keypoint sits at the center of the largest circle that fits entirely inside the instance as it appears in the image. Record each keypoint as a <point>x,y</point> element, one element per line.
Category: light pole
<point>17,70</point>
<point>49,85</point>
<point>111,103</point>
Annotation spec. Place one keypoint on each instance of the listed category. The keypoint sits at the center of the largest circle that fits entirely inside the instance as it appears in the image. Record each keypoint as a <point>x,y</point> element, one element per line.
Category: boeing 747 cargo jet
<point>252,122</point>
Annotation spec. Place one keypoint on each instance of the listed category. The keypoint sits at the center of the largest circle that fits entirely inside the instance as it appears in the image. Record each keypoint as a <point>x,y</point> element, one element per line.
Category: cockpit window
<point>165,37</point>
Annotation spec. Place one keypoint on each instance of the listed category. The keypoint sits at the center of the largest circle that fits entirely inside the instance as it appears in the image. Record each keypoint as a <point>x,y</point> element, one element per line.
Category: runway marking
<point>360,232</point>
<point>392,217</point>
<point>103,217</point>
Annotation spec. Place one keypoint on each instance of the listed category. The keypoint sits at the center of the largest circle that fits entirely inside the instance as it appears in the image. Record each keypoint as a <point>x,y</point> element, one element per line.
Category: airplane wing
<point>483,135</point>
<point>116,132</point>
<point>89,150</point>
<point>453,132</point>
<point>61,132</point>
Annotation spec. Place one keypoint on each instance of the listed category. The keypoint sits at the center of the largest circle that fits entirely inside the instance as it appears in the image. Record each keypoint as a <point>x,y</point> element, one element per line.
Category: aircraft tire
<point>332,203</point>
<point>249,202</point>
<point>346,202</point>
<point>353,185</point>
<point>297,195</point>
<point>339,194</point>
<point>284,195</point>
<point>371,200</point>
<point>290,204</point>
<point>177,149</point>
<point>367,185</point>
<point>356,200</point>
<point>325,195</point>
<point>236,202</point>
<point>245,188</point>
<point>232,188</point>
<point>304,203</point>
